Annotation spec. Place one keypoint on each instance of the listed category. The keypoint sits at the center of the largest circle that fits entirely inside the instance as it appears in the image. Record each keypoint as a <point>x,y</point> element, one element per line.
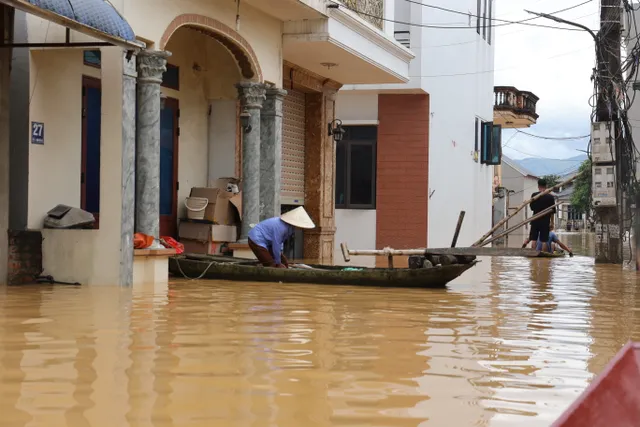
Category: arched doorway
<point>200,137</point>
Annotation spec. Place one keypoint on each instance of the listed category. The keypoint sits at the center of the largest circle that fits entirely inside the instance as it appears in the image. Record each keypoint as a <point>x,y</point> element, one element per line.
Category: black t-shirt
<point>542,203</point>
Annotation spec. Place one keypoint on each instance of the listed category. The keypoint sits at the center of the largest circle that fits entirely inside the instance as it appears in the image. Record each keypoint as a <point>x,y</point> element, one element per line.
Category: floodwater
<point>512,342</point>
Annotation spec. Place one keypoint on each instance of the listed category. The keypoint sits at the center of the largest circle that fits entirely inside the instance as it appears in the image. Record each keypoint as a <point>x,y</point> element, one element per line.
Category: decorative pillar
<point>129,76</point>
<point>151,66</point>
<point>271,153</point>
<point>252,96</point>
<point>320,157</point>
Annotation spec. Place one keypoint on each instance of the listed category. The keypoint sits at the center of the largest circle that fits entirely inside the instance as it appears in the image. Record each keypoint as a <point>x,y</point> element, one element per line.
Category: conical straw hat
<point>298,218</point>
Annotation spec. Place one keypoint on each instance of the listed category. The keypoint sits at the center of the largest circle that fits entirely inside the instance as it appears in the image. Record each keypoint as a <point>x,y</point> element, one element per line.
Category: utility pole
<point>609,226</point>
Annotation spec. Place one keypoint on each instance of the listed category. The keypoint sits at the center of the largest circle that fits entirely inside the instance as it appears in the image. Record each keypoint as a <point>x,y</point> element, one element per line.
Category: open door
<point>91,125</point>
<point>169,134</point>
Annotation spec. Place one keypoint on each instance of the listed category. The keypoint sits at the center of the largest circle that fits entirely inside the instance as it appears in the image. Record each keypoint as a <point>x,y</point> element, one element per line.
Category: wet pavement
<point>512,342</point>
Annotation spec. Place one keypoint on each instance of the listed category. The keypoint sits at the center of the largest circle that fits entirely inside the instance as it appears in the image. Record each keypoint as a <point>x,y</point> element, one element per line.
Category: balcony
<point>514,109</point>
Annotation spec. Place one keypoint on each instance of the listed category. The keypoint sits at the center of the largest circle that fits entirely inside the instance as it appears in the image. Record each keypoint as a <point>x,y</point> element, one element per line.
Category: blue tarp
<point>97,14</point>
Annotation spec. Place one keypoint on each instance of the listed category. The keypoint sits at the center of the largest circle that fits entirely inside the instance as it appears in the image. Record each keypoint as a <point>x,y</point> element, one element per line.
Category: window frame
<point>490,21</point>
<point>478,17</point>
<point>484,20</point>
<point>346,168</point>
<point>91,64</point>
<point>490,144</point>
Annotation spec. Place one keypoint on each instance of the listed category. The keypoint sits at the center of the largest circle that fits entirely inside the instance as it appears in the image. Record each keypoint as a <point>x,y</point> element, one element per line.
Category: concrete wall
<point>5,67</point>
<point>222,138</point>
<point>90,257</point>
<point>523,186</point>
<point>55,167</point>
<point>356,228</point>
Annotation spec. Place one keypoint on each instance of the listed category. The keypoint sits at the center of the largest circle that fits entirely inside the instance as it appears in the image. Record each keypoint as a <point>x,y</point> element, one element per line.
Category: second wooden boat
<point>227,268</point>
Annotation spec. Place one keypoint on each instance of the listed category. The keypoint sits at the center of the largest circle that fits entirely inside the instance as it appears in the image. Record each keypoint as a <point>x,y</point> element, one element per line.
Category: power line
<point>544,158</point>
<point>553,138</point>
<point>442,27</point>
<point>507,22</point>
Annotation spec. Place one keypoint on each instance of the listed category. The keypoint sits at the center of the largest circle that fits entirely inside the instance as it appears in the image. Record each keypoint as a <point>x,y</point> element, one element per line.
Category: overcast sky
<point>554,64</point>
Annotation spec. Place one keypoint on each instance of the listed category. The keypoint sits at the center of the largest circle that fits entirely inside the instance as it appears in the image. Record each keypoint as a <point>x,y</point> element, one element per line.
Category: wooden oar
<point>523,223</point>
<point>520,207</point>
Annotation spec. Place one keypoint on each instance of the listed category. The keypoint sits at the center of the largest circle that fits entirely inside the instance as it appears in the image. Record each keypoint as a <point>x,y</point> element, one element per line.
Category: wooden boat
<point>613,398</point>
<point>237,269</point>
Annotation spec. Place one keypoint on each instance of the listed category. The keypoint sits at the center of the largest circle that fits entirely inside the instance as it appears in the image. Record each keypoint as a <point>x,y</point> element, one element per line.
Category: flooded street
<point>511,342</point>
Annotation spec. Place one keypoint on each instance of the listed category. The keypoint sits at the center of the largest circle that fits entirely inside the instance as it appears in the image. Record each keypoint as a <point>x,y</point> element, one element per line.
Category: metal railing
<point>510,98</point>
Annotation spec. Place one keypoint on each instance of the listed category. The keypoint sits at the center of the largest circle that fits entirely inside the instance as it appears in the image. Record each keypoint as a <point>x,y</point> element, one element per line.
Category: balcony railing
<point>520,102</point>
<point>370,10</point>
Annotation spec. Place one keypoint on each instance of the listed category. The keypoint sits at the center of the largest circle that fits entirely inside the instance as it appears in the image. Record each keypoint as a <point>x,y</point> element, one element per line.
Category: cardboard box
<point>198,247</point>
<point>224,208</point>
<point>207,232</point>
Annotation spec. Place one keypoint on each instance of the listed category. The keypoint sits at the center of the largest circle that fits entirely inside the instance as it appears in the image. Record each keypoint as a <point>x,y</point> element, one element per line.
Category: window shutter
<point>496,145</point>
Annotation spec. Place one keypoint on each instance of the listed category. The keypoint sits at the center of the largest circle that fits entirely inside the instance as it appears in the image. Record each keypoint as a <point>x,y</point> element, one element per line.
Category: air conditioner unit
<point>603,142</point>
<point>604,185</point>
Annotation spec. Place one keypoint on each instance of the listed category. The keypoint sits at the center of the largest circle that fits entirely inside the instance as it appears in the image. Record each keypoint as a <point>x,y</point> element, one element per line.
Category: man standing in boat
<point>541,227</point>
<point>266,239</point>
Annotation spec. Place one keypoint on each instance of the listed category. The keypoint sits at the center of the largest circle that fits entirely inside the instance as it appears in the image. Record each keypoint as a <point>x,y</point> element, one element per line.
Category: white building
<point>520,184</point>
<point>427,135</point>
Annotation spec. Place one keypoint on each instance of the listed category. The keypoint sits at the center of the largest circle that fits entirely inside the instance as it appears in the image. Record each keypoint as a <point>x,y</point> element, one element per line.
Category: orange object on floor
<point>142,241</point>
<point>170,242</point>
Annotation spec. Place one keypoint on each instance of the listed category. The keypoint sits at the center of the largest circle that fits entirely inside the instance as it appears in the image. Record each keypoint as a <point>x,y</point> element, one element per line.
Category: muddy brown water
<point>512,342</point>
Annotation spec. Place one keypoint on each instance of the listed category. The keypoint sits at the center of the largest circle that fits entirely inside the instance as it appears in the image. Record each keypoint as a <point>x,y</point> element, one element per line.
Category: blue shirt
<point>552,239</point>
<point>271,235</point>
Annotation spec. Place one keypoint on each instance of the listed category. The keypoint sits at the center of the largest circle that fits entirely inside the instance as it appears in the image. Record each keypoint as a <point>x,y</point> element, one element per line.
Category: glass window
<point>491,144</point>
<point>356,168</point>
<point>93,58</point>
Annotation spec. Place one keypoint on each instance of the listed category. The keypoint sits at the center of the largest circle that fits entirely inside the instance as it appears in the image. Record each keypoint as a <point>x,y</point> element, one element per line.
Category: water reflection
<point>510,343</point>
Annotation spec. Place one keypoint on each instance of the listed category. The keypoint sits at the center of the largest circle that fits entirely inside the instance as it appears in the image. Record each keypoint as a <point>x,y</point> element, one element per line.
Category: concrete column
<point>271,153</point>
<point>319,177</point>
<point>252,96</point>
<point>5,70</point>
<point>128,206</point>
<point>151,66</point>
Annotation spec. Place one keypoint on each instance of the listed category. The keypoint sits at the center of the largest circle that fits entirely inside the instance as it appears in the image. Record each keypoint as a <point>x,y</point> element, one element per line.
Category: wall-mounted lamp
<point>163,100</point>
<point>336,130</point>
<point>245,116</point>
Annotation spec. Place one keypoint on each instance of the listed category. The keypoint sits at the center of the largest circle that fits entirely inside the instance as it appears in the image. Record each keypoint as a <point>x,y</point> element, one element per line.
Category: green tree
<point>552,180</point>
<point>581,197</point>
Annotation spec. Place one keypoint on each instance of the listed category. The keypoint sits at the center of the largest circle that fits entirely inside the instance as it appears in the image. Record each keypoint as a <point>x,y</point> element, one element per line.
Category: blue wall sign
<point>37,133</point>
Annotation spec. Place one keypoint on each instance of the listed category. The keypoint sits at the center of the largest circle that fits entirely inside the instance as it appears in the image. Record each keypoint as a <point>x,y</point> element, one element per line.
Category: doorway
<point>169,134</point>
<point>91,125</point>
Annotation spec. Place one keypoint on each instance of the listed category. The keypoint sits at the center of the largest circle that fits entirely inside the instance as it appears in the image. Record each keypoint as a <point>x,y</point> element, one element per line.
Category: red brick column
<point>403,172</point>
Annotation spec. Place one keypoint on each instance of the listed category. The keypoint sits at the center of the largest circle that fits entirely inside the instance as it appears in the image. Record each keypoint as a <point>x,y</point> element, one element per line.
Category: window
<point>484,20</point>
<point>171,77</point>
<point>490,20</point>
<point>609,171</point>
<point>477,140</point>
<point>93,58</point>
<point>609,184</point>
<point>478,16</point>
<point>597,171</point>
<point>491,144</point>
<point>356,168</point>
<point>598,185</point>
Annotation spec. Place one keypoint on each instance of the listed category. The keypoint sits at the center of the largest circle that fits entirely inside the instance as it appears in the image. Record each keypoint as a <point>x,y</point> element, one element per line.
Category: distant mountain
<point>541,167</point>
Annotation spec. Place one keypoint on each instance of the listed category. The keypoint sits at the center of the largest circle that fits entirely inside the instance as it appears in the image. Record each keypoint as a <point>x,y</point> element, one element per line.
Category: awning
<point>95,18</point>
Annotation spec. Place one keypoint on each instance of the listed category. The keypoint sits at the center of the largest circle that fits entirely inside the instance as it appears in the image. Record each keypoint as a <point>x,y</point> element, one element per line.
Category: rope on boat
<point>196,278</point>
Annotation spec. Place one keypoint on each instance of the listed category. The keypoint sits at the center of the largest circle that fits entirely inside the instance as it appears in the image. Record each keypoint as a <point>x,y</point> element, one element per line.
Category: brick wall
<point>403,172</point>
<point>25,257</point>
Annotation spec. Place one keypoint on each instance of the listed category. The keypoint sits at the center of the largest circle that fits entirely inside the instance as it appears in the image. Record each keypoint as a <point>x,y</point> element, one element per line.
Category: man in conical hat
<point>266,239</point>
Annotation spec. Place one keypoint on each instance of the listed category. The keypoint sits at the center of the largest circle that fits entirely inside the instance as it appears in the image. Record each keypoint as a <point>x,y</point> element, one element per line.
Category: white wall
<point>356,228</point>
<point>523,186</point>
<point>222,139</point>
<point>458,181</point>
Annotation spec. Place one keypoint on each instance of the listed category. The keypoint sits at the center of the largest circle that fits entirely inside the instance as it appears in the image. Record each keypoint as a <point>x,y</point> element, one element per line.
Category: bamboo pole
<point>515,227</point>
<point>458,227</point>
<point>345,252</point>
<point>520,207</point>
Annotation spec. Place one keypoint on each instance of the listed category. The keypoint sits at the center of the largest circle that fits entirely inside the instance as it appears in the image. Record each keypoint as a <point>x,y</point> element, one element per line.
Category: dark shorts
<point>540,231</point>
